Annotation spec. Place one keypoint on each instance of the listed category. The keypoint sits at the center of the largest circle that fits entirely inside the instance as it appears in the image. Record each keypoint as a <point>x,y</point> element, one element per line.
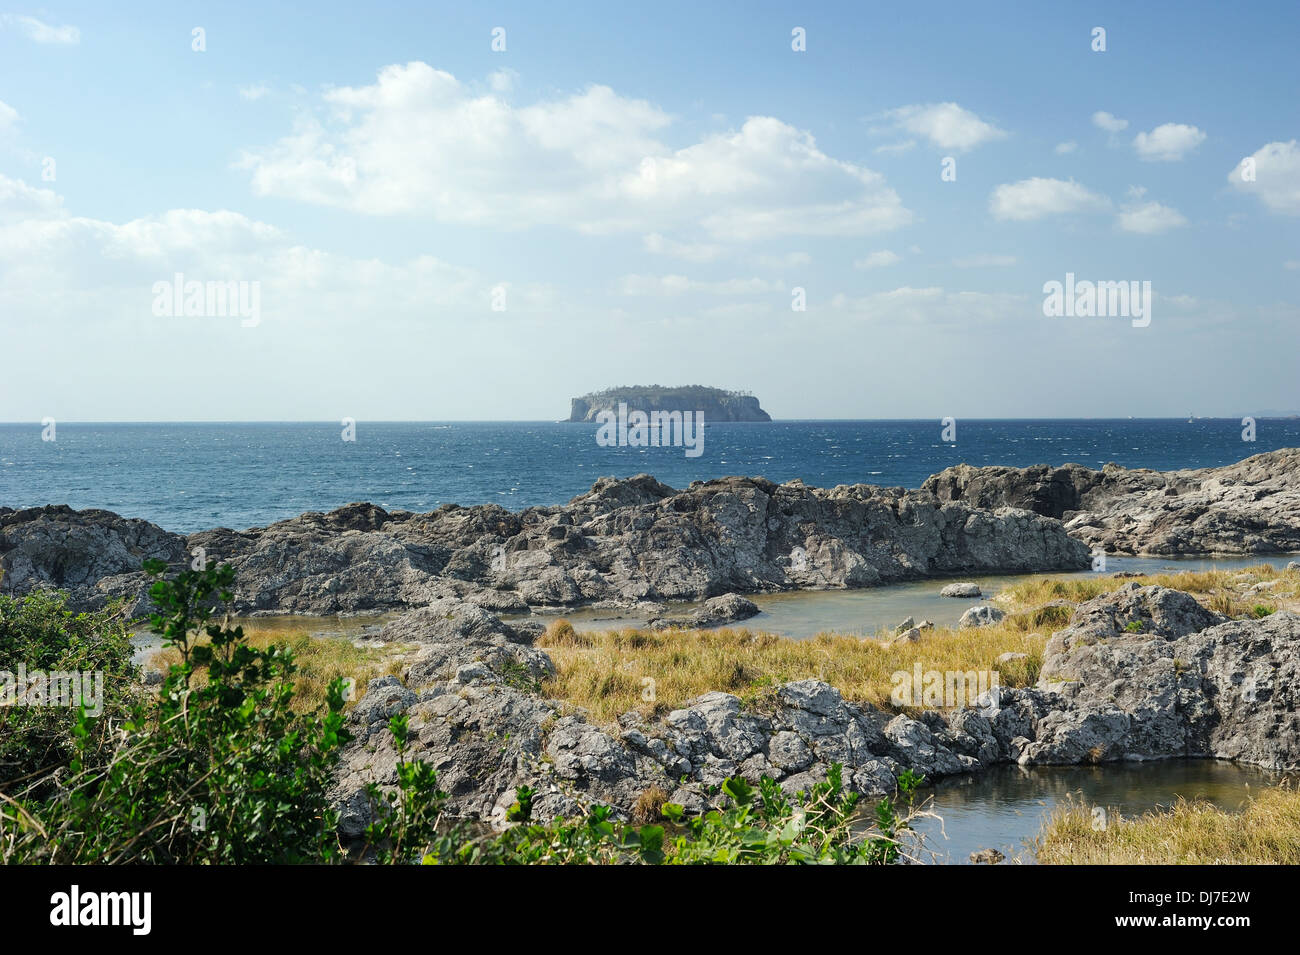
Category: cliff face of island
<point>713,403</point>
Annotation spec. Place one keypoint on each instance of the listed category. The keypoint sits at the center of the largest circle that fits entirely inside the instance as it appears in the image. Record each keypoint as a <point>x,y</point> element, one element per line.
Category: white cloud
<point>1291,265</point>
<point>1167,143</point>
<point>502,80</point>
<point>1064,149</point>
<point>43,32</point>
<point>20,202</point>
<point>1038,197</point>
<point>71,266</point>
<point>419,142</point>
<point>680,284</point>
<point>1149,218</point>
<point>1111,124</point>
<point>8,115</point>
<point>878,260</point>
<point>1277,177</point>
<point>791,260</point>
<point>896,149</point>
<point>933,306</point>
<point>984,261</point>
<point>254,92</point>
<point>690,251</point>
<point>945,125</point>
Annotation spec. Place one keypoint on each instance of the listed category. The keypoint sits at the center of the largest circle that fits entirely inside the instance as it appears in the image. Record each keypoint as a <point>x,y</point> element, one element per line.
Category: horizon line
<point>334,422</point>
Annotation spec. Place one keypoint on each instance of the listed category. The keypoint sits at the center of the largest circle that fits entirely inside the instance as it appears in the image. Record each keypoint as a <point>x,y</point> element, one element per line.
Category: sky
<point>477,212</point>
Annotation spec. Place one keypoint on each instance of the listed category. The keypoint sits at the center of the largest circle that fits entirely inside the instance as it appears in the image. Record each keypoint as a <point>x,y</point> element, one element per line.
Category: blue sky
<point>647,187</point>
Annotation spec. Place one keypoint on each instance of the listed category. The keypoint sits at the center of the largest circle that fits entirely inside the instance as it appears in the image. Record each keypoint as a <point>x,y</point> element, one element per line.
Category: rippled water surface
<point>190,477</point>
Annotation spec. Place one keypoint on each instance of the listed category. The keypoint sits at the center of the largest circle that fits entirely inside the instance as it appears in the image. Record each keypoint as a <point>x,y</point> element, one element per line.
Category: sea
<point>193,476</point>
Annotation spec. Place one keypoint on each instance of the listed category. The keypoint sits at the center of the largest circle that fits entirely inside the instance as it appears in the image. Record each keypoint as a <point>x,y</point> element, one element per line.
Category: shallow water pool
<point>1005,807</point>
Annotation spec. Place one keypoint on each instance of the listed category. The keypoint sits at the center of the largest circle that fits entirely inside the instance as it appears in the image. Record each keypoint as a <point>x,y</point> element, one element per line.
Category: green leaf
<point>738,789</point>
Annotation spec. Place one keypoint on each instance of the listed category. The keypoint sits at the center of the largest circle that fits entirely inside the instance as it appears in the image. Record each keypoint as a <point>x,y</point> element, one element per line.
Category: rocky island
<point>713,404</point>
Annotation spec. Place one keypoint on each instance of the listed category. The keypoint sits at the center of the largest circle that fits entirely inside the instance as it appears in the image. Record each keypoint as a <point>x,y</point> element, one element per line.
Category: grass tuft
<point>1265,832</point>
<point>654,672</point>
<point>319,659</point>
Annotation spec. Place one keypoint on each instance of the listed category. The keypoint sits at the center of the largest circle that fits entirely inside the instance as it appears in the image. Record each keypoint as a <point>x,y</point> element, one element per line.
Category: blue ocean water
<point>189,477</point>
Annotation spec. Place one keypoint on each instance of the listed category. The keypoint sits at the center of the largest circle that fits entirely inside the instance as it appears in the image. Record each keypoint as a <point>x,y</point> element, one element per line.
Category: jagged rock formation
<point>624,540</point>
<point>1250,507</point>
<point>92,554</point>
<point>714,403</point>
<point>1187,684</point>
<point>634,540</point>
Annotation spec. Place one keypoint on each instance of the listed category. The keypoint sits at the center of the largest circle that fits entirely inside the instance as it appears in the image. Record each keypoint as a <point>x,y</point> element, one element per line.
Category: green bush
<point>39,634</point>
<point>757,826</point>
<point>217,770</point>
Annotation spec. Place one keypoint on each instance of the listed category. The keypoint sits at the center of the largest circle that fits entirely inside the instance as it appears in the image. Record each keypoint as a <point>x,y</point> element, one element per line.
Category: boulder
<point>981,616</point>
<point>907,636</point>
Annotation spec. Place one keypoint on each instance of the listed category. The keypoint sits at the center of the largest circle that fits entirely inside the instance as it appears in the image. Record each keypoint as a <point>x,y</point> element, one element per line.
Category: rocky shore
<point>1251,507</point>
<point>1140,673</point>
<point>636,539</point>
<point>1137,674</point>
<point>624,541</point>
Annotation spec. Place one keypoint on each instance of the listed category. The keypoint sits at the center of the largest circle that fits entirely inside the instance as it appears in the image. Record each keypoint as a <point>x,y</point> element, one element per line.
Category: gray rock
<point>803,782</point>
<point>1187,684</point>
<point>627,541</point>
<point>453,635</point>
<point>981,616</point>
<point>907,636</point>
<point>813,696</point>
<point>789,753</point>
<point>1251,507</point>
<point>473,672</point>
<point>726,609</point>
<point>716,611</point>
<point>444,620</point>
<point>76,551</point>
<point>965,589</point>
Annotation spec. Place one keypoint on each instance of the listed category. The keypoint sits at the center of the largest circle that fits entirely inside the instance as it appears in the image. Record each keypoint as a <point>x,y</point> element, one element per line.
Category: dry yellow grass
<point>1222,591</point>
<point>604,672</point>
<point>1265,832</point>
<point>319,660</point>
